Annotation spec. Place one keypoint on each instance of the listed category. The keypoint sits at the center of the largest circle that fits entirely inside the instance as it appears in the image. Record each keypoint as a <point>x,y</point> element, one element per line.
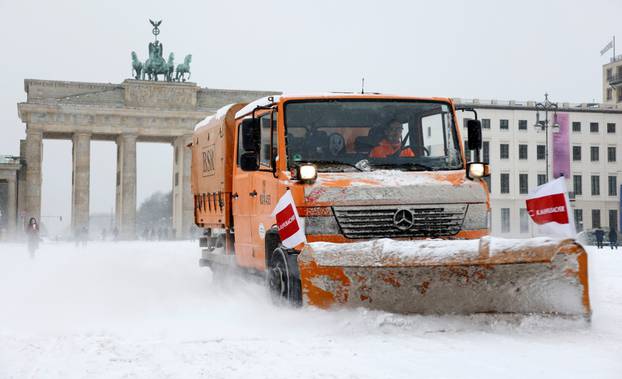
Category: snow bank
<point>146,310</point>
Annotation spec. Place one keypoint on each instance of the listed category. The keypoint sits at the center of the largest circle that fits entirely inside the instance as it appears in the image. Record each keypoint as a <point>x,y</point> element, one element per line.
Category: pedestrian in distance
<point>599,234</point>
<point>613,238</point>
<point>32,233</point>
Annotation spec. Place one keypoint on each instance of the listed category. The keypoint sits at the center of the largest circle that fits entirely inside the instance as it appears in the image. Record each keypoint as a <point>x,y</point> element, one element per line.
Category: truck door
<point>264,186</point>
<point>242,203</point>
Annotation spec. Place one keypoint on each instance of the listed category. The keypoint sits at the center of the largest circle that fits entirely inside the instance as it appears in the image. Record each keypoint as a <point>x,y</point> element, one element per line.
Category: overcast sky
<point>484,49</point>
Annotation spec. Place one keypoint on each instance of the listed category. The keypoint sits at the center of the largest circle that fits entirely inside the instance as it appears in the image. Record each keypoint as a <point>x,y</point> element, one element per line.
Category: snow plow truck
<point>394,216</point>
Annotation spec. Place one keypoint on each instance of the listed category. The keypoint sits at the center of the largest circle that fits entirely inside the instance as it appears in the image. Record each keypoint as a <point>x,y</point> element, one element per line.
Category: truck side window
<point>240,145</point>
<point>268,139</point>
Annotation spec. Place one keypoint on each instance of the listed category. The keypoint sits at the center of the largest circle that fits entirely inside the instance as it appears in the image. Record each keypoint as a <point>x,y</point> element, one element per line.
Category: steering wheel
<point>336,144</point>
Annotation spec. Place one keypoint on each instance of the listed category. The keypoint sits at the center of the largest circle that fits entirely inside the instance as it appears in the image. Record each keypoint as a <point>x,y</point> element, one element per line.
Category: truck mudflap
<point>490,275</point>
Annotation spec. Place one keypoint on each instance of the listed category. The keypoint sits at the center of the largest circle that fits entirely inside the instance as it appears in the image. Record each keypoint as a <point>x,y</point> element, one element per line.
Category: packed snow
<point>146,310</point>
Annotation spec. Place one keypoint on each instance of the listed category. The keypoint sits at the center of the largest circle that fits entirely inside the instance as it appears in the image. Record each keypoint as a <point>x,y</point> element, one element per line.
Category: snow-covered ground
<point>146,310</point>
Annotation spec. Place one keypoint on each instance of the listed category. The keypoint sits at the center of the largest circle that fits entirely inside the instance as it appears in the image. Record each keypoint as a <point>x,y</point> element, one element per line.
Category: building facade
<point>517,152</point>
<point>612,81</point>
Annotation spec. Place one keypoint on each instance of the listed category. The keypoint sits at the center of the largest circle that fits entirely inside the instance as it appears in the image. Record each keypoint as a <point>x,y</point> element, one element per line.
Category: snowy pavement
<point>146,310</point>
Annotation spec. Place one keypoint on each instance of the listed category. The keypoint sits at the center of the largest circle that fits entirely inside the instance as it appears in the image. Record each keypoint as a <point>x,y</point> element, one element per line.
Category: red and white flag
<point>288,222</point>
<point>549,208</point>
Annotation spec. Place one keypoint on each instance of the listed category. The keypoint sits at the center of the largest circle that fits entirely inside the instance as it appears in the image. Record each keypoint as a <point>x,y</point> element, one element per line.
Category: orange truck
<point>392,214</point>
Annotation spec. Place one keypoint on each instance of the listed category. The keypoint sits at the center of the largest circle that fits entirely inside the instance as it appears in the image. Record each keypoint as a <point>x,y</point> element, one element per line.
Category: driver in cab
<point>391,143</point>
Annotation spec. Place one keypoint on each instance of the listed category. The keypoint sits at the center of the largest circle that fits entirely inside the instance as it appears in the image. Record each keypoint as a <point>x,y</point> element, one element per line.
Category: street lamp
<point>544,125</point>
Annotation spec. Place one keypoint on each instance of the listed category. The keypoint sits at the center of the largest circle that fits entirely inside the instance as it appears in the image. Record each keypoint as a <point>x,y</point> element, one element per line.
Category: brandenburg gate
<point>126,113</point>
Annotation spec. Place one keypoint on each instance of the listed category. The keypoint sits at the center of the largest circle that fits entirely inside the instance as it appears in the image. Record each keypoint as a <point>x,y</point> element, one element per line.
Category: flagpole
<point>614,48</point>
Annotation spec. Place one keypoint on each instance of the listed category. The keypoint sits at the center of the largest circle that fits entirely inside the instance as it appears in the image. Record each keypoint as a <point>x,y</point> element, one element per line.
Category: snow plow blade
<point>490,275</point>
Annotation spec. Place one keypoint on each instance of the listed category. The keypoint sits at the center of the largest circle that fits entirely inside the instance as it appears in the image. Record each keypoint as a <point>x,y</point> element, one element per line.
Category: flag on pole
<point>549,207</point>
<point>608,47</point>
<point>288,222</point>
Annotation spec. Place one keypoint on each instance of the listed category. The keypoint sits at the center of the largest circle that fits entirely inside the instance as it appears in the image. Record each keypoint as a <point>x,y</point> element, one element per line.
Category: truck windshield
<point>337,135</point>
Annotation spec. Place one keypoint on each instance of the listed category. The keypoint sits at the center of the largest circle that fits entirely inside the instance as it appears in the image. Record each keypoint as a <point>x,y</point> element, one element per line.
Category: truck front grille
<point>416,220</point>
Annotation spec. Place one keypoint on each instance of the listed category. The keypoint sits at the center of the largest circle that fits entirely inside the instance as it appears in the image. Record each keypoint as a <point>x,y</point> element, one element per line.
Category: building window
<point>577,184</point>
<point>595,185</point>
<point>504,151</point>
<point>485,123</point>
<point>541,152</point>
<point>578,219</point>
<point>613,219</point>
<point>595,218</point>
<point>524,221</point>
<point>523,184</point>
<point>504,124</point>
<point>505,183</point>
<point>505,220</point>
<point>613,185</point>
<point>594,127</point>
<point>576,126</point>
<point>609,73</point>
<point>609,93</point>
<point>576,153</point>
<point>486,151</point>
<point>522,152</point>
<point>594,153</point>
<point>611,127</point>
<point>611,154</point>
<point>619,91</point>
<point>522,124</point>
<point>541,179</point>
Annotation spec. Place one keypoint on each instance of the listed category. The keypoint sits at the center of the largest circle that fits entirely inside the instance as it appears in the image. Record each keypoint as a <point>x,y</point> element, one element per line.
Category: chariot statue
<point>156,65</point>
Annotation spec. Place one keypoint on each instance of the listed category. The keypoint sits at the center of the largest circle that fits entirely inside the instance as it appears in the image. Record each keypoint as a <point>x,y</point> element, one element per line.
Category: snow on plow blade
<point>491,275</point>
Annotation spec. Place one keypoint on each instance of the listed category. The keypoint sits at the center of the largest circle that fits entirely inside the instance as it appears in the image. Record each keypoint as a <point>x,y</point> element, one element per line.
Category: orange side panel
<point>212,169</point>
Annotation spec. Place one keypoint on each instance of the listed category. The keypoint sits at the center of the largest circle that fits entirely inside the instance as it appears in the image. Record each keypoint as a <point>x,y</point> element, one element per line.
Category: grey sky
<point>486,49</point>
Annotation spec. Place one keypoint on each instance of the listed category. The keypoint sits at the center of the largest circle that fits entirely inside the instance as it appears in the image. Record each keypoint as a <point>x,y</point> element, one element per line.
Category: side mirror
<point>474,130</point>
<point>249,161</point>
<point>251,135</point>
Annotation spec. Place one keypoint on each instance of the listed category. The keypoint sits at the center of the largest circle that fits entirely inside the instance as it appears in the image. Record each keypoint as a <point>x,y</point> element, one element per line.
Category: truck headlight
<point>306,172</point>
<point>477,170</point>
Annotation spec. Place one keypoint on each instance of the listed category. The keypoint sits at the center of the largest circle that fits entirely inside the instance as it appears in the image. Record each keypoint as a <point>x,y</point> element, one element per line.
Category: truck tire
<point>283,279</point>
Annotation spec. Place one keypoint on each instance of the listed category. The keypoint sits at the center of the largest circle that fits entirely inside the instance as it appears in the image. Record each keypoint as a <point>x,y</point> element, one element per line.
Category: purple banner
<point>561,147</point>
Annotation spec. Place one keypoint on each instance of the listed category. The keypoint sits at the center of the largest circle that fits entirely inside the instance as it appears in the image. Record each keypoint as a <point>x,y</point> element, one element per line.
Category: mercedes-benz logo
<point>403,219</point>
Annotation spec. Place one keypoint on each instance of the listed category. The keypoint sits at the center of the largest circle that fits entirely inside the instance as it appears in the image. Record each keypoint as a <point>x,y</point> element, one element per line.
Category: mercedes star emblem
<point>403,219</point>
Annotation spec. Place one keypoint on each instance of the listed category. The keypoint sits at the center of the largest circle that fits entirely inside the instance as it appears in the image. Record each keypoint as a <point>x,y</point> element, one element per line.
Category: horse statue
<point>183,69</point>
<point>155,65</point>
<point>137,66</point>
<point>171,67</point>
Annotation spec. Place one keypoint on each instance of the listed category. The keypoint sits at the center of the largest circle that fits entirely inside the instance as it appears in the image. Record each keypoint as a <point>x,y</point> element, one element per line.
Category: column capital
<point>129,137</point>
<point>34,132</point>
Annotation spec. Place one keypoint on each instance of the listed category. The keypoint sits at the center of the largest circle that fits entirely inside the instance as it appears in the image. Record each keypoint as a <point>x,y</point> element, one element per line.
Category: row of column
<point>125,207</point>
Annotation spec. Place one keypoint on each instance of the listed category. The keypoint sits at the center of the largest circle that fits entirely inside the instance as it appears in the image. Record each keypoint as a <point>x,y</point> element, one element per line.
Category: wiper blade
<point>339,163</point>
<point>406,165</point>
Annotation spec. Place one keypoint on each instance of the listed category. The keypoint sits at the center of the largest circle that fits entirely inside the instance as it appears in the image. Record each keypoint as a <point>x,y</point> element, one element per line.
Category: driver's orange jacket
<point>386,148</point>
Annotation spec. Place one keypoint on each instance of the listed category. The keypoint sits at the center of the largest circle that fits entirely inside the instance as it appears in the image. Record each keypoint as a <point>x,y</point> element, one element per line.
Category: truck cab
<point>359,167</point>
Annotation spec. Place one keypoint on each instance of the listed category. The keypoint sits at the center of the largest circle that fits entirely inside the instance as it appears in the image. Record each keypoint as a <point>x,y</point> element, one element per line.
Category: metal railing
<point>615,79</point>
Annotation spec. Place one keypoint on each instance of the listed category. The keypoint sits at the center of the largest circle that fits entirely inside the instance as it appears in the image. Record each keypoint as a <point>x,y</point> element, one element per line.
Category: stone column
<point>125,212</point>
<point>81,181</point>
<point>21,189</point>
<point>183,211</point>
<point>12,207</point>
<point>34,155</point>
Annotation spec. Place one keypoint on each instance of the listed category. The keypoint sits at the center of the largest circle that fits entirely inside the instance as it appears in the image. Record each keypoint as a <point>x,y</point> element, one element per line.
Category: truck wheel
<point>283,283</point>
